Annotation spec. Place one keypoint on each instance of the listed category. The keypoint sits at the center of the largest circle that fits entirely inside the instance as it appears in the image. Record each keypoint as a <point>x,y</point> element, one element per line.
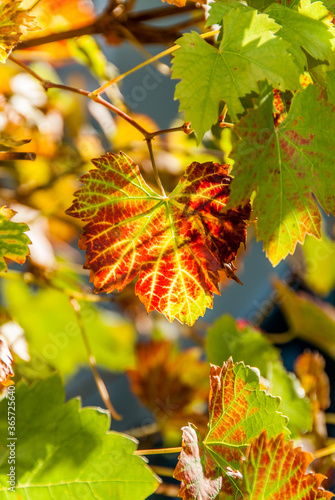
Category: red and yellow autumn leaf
<point>14,22</point>
<point>175,243</point>
<point>237,457</point>
<point>238,411</point>
<point>275,470</point>
<point>13,241</point>
<point>289,165</point>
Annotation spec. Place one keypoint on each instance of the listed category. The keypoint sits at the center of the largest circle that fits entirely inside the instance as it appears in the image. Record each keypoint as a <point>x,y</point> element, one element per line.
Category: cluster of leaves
<point>268,81</point>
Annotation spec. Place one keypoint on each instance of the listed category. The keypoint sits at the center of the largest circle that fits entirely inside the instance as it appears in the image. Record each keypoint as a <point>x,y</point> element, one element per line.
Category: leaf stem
<point>93,364</point>
<point>152,158</point>
<point>166,52</point>
<point>324,452</point>
<point>100,100</point>
<point>158,451</point>
<point>330,418</point>
<point>181,128</point>
<point>162,471</point>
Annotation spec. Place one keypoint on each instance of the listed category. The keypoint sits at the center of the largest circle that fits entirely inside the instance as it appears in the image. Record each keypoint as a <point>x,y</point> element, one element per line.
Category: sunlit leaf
<point>14,22</point>
<point>238,411</point>
<point>176,243</point>
<point>249,51</point>
<point>64,451</point>
<point>285,165</point>
<point>275,470</point>
<point>303,29</point>
<point>245,343</point>
<point>13,241</point>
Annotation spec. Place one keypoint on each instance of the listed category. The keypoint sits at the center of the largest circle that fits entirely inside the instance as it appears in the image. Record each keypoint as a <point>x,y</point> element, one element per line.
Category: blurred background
<point>141,357</point>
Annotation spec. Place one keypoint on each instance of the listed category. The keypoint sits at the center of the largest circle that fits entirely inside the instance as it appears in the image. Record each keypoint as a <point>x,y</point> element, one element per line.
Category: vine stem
<point>152,59</point>
<point>158,451</point>
<point>30,278</point>
<point>92,361</point>
<point>148,136</point>
<point>158,180</point>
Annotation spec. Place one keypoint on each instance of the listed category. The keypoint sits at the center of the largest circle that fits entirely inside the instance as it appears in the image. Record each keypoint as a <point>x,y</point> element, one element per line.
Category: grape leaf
<point>13,241</point>
<point>175,243</point>
<point>67,452</point>
<point>304,29</point>
<point>198,472</point>
<point>248,52</point>
<point>285,165</point>
<point>238,411</point>
<point>245,343</point>
<point>275,470</point>
<point>220,8</point>
<point>157,361</point>
<point>14,22</point>
<point>310,368</point>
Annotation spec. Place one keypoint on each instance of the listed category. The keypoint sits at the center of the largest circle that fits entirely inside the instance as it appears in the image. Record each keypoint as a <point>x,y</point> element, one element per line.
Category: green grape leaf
<point>176,243</point>
<point>63,451</point>
<point>304,29</point>
<point>220,8</point>
<point>243,342</point>
<point>330,79</point>
<point>55,339</point>
<point>274,469</point>
<point>249,51</point>
<point>285,165</point>
<point>14,22</point>
<point>13,241</point>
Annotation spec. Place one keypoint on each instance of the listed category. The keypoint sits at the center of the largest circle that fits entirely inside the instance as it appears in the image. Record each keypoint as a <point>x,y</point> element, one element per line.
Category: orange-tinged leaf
<point>310,369</point>
<point>13,241</point>
<point>14,22</point>
<point>173,394</point>
<point>175,243</point>
<point>275,470</point>
<point>238,412</point>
